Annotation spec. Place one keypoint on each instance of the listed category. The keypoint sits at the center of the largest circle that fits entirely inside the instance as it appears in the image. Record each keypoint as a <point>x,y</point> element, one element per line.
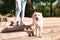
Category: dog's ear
<point>33,15</point>
<point>41,13</point>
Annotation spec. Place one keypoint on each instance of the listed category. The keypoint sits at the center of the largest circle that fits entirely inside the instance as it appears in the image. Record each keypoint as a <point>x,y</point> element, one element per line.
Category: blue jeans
<point>20,9</point>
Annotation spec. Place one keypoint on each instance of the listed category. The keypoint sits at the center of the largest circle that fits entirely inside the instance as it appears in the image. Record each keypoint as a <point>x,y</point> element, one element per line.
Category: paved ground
<point>48,36</point>
<point>51,31</point>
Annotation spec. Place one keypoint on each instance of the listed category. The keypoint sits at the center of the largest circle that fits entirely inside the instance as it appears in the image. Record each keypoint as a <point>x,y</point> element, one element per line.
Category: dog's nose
<point>36,18</point>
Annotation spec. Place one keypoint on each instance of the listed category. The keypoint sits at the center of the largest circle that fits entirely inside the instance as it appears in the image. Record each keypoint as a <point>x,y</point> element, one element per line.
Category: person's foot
<point>40,36</point>
<point>11,23</point>
<point>22,24</point>
<point>17,24</point>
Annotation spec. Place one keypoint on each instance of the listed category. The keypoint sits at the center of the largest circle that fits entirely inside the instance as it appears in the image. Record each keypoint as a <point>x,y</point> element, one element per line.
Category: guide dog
<point>37,24</point>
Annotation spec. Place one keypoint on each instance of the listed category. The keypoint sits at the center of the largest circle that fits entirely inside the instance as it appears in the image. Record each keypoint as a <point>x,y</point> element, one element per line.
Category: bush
<point>57,12</point>
<point>29,10</point>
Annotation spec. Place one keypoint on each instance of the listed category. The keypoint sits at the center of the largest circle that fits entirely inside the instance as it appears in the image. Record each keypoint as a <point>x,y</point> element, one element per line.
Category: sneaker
<point>17,24</point>
<point>11,23</point>
<point>22,24</point>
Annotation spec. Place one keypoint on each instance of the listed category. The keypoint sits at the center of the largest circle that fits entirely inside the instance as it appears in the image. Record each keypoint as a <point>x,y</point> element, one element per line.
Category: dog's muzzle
<point>37,18</point>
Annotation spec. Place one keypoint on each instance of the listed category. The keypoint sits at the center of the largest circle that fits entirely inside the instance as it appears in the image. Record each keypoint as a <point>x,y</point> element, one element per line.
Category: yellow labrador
<point>37,23</point>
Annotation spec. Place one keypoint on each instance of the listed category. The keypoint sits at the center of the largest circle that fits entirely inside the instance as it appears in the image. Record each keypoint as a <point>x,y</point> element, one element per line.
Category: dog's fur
<point>37,23</point>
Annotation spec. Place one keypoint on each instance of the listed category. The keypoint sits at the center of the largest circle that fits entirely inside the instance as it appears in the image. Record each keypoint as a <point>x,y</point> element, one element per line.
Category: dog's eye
<point>35,15</point>
<point>38,15</point>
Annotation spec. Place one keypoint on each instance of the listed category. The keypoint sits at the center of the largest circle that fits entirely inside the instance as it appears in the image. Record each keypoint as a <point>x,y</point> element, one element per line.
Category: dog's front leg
<point>40,32</point>
<point>41,28</point>
<point>34,30</point>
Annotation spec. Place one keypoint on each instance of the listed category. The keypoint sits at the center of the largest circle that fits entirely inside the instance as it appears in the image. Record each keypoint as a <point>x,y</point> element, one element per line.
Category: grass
<point>4,16</point>
<point>1,16</point>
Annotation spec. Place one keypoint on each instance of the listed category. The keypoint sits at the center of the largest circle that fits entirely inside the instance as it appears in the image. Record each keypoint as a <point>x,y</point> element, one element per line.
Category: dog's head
<point>37,16</point>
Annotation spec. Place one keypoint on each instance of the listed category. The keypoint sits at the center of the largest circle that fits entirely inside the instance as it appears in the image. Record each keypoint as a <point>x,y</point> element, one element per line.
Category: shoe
<point>22,24</point>
<point>17,24</point>
<point>11,23</point>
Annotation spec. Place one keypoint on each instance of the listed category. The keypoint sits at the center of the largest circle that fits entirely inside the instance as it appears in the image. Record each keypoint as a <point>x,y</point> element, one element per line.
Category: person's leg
<point>18,11</point>
<point>23,4</point>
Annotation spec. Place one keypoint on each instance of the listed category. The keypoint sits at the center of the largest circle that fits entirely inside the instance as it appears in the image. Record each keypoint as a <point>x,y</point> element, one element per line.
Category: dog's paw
<point>39,36</point>
<point>35,36</point>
